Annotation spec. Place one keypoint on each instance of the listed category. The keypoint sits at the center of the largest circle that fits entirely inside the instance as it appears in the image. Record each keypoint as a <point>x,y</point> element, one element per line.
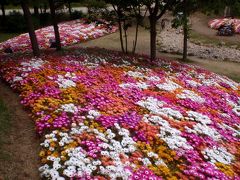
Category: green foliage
<point>218,6</point>
<point>12,23</point>
<point>77,15</point>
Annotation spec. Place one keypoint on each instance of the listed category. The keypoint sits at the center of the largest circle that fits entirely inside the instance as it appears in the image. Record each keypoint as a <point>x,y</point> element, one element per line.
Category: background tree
<point>55,24</point>
<point>3,3</point>
<point>156,9</point>
<point>218,6</point>
<point>31,31</point>
<point>182,11</point>
<point>69,5</point>
<point>127,12</point>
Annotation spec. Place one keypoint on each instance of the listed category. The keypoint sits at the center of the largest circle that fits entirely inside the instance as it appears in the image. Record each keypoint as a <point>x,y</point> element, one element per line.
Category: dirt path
<point>22,143</point>
<point>230,69</point>
<point>199,23</point>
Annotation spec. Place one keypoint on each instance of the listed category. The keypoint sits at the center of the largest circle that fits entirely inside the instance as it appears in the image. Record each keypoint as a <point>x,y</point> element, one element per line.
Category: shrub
<point>77,15</point>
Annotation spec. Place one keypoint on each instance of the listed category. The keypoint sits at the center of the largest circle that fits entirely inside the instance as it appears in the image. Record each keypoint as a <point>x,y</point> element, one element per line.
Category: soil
<point>22,143</point>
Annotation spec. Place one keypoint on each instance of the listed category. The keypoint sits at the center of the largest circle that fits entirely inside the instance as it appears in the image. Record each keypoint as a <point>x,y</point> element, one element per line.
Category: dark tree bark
<point>45,8</point>
<point>185,31</point>
<point>120,33</point>
<point>156,13</point>
<point>136,39</point>
<point>55,25</point>
<point>31,31</point>
<point>69,8</point>
<point>125,36</point>
<point>153,37</point>
<point>3,12</point>
<point>36,11</point>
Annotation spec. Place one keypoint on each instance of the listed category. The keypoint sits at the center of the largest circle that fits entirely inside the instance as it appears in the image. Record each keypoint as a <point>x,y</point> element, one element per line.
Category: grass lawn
<point>4,129</point>
<point>6,36</point>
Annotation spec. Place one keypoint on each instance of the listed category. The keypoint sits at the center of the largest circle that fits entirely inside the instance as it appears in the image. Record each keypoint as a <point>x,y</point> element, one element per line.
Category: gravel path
<point>171,41</point>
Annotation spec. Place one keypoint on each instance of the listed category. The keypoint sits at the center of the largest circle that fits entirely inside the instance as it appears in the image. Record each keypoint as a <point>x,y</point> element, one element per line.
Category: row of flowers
<point>105,115</point>
<point>217,23</point>
<point>71,32</point>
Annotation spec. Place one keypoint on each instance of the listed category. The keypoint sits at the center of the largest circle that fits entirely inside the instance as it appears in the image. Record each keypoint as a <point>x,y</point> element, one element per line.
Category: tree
<point>218,6</point>
<point>127,12</point>
<point>68,3</point>
<point>55,25</point>
<point>156,9</point>
<point>182,11</point>
<point>3,3</point>
<point>32,35</point>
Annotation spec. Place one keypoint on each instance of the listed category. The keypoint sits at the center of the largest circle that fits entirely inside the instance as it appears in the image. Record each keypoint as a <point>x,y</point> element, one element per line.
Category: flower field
<point>71,32</point>
<point>216,23</point>
<point>104,115</point>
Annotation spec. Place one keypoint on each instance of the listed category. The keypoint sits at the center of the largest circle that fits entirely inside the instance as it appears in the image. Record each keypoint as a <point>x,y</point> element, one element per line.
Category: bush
<point>77,15</point>
<point>15,22</point>
<point>44,19</point>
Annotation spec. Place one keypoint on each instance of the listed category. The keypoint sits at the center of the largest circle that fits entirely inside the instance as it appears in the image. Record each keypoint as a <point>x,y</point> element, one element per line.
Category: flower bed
<point>70,33</point>
<point>217,23</point>
<point>104,115</point>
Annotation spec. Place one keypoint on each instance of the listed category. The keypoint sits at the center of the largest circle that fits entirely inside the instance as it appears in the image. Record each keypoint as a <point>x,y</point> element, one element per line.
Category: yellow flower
<point>42,153</point>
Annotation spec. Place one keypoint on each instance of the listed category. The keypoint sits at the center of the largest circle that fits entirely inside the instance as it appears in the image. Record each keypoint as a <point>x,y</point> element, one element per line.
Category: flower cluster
<point>105,115</point>
<point>217,23</point>
<point>71,32</point>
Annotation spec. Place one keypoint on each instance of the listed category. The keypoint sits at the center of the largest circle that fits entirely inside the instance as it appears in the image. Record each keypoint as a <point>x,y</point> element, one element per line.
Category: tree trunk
<point>3,12</point>
<point>136,39</point>
<point>126,37</point>
<point>45,8</point>
<point>185,31</point>
<point>31,31</point>
<point>55,26</point>
<point>120,33</point>
<point>36,11</point>
<point>69,8</point>
<point>153,37</point>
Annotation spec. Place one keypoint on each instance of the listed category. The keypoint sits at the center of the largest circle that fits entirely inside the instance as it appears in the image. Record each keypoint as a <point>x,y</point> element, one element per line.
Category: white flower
<point>140,85</point>
<point>236,110</point>
<point>219,155</point>
<point>71,108</point>
<point>65,83</point>
<point>199,117</point>
<point>190,95</point>
<point>151,104</point>
<point>168,86</point>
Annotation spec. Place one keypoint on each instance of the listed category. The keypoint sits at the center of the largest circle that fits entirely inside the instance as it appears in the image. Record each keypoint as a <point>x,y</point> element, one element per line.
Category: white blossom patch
<point>33,64</point>
<point>187,94</point>
<point>170,135</point>
<point>79,163</point>
<point>168,86</point>
<point>93,114</point>
<point>232,84</point>
<point>140,85</point>
<point>205,130</point>
<point>151,103</point>
<point>64,83</point>
<point>135,74</point>
<point>71,108</point>
<point>218,155</point>
<point>193,83</point>
<point>17,78</point>
<point>236,110</point>
<point>153,78</point>
<point>195,116</point>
